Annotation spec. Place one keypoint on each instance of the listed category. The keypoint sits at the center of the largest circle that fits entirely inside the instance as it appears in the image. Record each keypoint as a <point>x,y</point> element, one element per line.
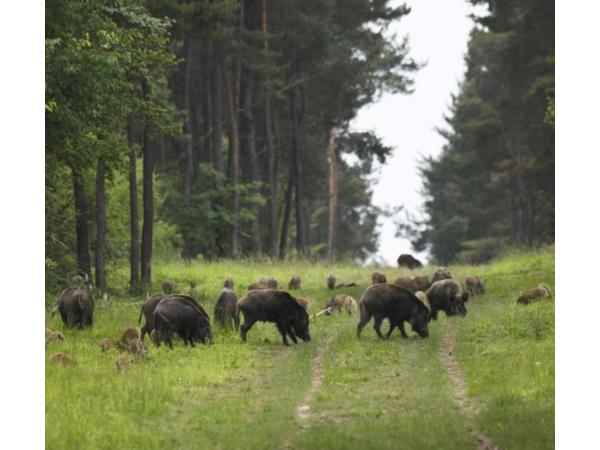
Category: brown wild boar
<point>228,283</point>
<point>474,286</point>
<point>63,358</point>
<point>341,302</point>
<point>225,309</point>
<point>407,283</point>
<point>331,281</point>
<point>305,302</point>
<point>107,344</point>
<point>541,291</point>
<point>422,283</point>
<point>138,349</point>
<point>53,336</point>
<point>442,273</point>
<point>423,297</point>
<point>272,283</point>
<point>147,311</point>
<point>124,362</point>
<point>350,305</point>
<point>378,278</point>
<point>129,334</point>
<point>295,283</point>
<point>168,286</point>
<point>257,287</point>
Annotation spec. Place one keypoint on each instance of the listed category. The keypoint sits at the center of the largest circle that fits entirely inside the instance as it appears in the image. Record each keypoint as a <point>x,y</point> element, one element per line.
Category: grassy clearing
<point>392,394</point>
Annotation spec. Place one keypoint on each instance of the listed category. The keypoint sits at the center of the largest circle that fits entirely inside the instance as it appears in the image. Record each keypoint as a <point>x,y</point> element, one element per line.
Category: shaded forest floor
<point>335,392</point>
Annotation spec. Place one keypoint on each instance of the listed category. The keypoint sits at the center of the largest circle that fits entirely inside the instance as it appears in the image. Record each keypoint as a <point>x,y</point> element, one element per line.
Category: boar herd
<point>414,300</point>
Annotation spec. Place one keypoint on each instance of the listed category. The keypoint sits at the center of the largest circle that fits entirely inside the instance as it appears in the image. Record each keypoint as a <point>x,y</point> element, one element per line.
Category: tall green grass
<point>377,394</point>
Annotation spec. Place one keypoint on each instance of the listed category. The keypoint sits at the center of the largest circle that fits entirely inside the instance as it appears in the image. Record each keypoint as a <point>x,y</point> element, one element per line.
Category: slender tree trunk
<point>301,238</point>
<point>187,104</point>
<point>269,146</point>
<point>100,226</point>
<point>333,195</point>
<point>235,161</point>
<point>287,210</point>
<point>134,245</point>
<point>81,223</point>
<point>248,144</point>
<point>148,195</point>
<point>217,129</point>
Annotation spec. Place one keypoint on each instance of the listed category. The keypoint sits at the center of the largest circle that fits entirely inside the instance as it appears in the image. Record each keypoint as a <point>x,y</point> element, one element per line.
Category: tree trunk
<point>287,210</point>
<point>217,129</point>
<point>235,160</point>
<point>134,246</point>
<point>187,126</point>
<point>301,238</point>
<point>148,195</point>
<point>81,223</point>
<point>100,226</point>
<point>333,195</point>
<point>248,144</point>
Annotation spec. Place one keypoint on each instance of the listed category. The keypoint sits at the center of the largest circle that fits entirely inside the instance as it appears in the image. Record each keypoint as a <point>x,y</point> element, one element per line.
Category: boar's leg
<point>402,330</point>
<point>363,321</point>
<point>377,325</point>
<point>282,328</point>
<point>392,326</point>
<point>236,322</point>
<point>291,333</point>
<point>169,339</point>
<point>246,327</point>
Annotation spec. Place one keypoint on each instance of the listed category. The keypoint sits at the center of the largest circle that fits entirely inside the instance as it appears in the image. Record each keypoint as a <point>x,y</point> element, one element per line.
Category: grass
<point>375,394</point>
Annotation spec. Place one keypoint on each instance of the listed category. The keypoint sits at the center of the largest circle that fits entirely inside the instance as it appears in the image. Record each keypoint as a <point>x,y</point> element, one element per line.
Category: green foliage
<point>494,181</point>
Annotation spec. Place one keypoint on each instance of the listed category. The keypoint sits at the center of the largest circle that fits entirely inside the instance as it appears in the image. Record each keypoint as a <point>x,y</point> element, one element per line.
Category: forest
<point>222,129</point>
<point>493,184</point>
<point>213,130</point>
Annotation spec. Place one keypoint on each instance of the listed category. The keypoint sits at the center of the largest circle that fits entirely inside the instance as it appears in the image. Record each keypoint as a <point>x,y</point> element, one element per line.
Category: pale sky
<point>438,31</point>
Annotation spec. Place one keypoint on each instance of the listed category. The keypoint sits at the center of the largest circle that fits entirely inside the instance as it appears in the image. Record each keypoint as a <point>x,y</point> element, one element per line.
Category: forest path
<point>459,388</point>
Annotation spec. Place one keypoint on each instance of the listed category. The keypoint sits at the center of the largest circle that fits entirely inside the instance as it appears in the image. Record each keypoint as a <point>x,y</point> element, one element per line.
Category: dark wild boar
<point>168,286</point>
<point>447,296</point>
<point>228,283</point>
<point>395,303</point>
<point>272,283</point>
<point>407,283</point>
<point>422,283</point>
<point>378,278</point>
<point>278,307</point>
<point>182,315</point>
<point>147,310</point>
<point>295,283</point>
<point>331,281</point>
<point>409,261</point>
<point>442,273</point>
<point>474,286</point>
<point>76,308</point>
<point>225,309</point>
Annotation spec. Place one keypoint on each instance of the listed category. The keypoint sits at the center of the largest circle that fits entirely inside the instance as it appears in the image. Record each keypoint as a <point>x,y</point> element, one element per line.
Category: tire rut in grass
<point>303,412</point>
<point>459,387</point>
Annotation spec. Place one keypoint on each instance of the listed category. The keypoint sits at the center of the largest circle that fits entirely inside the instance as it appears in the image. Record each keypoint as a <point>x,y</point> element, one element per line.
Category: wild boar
<point>124,362</point>
<point>53,336</point>
<point>409,261</point>
<point>137,349</point>
<point>350,305</point>
<point>228,283</point>
<point>107,344</point>
<point>147,311</point>
<point>182,315</point>
<point>407,283</point>
<point>447,296</point>
<point>423,297</point>
<point>63,358</point>
<point>341,302</point>
<point>541,291</point>
<point>272,283</point>
<point>331,281</point>
<point>76,308</point>
<point>295,283</point>
<point>395,303</point>
<point>127,336</point>
<point>168,286</point>
<point>422,283</point>
<point>378,278</point>
<point>258,286</point>
<point>442,273</point>
<point>278,307</point>
<point>225,309</point>
<point>474,286</point>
